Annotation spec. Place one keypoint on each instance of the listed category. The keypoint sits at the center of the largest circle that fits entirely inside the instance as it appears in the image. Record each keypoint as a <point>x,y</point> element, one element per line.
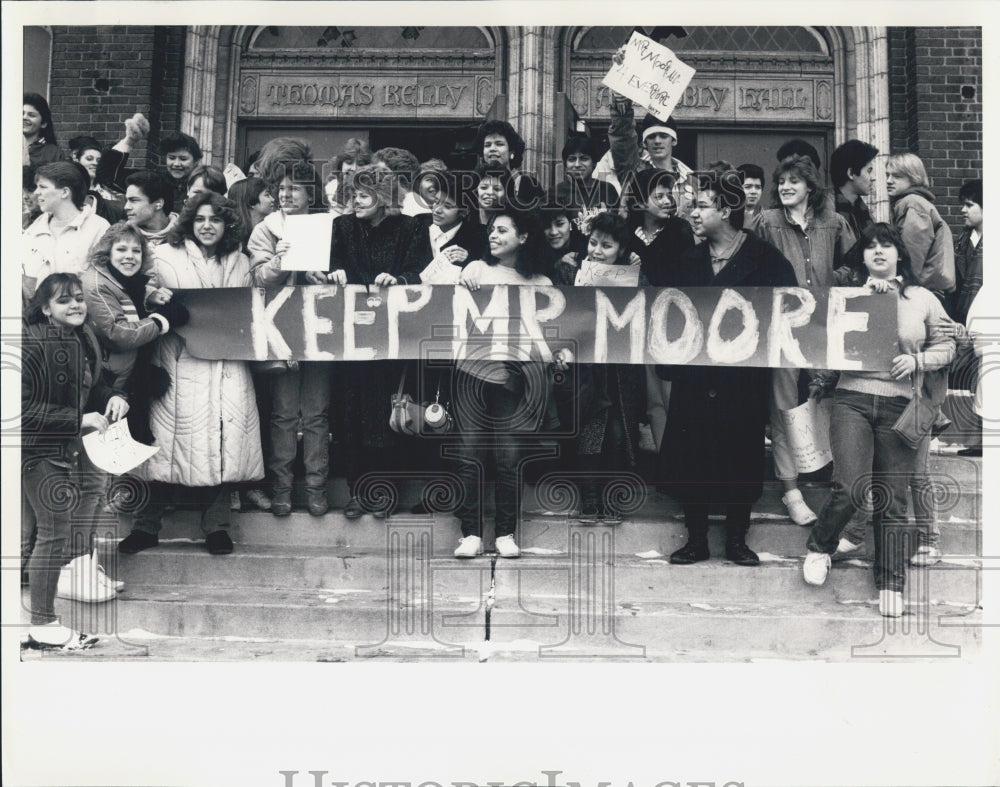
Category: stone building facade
<point>425,88</point>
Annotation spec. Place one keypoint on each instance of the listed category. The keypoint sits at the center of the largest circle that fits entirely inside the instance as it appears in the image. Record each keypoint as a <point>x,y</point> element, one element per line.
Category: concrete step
<point>657,529</point>
<point>406,570</point>
<point>457,627</point>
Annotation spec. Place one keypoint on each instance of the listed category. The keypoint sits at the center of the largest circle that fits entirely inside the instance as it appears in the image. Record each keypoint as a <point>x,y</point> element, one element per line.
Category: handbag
<point>418,419</point>
<point>920,418</point>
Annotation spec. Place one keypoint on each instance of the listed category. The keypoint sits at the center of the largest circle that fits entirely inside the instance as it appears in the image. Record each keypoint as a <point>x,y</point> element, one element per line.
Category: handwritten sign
<point>599,274</point>
<point>808,427</point>
<point>307,235</point>
<point>651,75</point>
<point>838,328</point>
<point>441,271</point>
<point>115,451</point>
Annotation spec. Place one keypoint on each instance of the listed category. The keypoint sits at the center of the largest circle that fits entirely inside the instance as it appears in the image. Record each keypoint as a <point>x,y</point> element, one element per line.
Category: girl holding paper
<point>299,394</point>
<point>866,407</point>
<point>611,398</point>
<point>63,394</point>
<point>206,423</point>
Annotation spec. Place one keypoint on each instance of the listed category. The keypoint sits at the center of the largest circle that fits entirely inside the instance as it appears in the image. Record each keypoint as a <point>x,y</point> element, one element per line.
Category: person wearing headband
<point>649,147</point>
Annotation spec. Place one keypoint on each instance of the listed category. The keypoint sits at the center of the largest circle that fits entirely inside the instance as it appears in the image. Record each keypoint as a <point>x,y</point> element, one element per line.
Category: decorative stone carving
<point>581,95</point>
<point>248,95</point>
<point>484,95</point>
<point>824,100</point>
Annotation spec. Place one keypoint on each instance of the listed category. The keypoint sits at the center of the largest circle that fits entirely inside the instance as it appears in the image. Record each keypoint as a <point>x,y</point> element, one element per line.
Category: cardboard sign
<point>808,427</point>
<point>651,75</point>
<point>441,271</point>
<point>841,328</point>
<point>600,274</point>
<point>309,236</point>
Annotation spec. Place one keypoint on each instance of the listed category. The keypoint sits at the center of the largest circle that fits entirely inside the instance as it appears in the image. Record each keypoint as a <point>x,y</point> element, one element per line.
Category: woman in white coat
<point>205,423</point>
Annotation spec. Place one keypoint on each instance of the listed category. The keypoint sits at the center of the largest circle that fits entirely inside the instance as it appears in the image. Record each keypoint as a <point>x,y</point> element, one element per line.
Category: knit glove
<point>136,127</point>
<point>174,312</point>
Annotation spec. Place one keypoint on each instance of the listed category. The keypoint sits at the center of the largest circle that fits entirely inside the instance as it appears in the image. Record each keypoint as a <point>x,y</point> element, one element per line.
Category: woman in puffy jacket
<point>206,423</point>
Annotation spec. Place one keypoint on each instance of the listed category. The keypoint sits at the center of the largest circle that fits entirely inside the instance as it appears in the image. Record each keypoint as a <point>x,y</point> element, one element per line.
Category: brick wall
<point>102,75</point>
<point>930,115</point>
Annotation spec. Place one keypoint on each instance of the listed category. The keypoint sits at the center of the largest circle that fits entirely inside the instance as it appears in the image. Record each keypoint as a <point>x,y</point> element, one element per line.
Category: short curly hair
<point>221,207</point>
<point>100,254</point>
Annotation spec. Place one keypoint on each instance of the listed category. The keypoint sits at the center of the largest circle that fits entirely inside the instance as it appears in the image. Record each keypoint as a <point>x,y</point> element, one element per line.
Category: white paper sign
<point>440,271</point>
<point>309,237</point>
<point>115,451</point>
<point>599,274</point>
<point>651,75</point>
<point>808,429</point>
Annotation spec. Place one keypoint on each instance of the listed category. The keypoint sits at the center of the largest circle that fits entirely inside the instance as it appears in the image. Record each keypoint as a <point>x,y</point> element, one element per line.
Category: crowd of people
<point>106,247</point>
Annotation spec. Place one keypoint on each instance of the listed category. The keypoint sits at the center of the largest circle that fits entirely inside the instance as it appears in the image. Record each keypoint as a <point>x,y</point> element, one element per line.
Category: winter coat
<point>43,152</point>
<point>399,245</point>
<point>627,156</point>
<point>856,213</point>
<point>927,237</point>
<point>713,443</point>
<point>116,320</point>
<point>814,253</point>
<point>968,276</point>
<point>660,256</point>
<point>67,252</point>
<point>62,380</point>
<point>206,424</point>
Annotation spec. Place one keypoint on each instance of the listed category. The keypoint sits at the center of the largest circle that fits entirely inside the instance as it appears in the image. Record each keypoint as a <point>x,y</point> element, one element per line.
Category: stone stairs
<point>304,589</point>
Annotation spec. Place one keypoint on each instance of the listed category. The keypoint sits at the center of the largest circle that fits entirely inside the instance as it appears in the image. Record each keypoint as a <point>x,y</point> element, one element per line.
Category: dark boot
<point>696,549</point>
<point>737,525</point>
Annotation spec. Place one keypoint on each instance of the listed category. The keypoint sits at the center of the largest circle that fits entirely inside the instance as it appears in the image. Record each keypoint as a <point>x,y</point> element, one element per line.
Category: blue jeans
<point>45,488</point>
<point>481,441</point>
<point>303,394</point>
<point>866,452</point>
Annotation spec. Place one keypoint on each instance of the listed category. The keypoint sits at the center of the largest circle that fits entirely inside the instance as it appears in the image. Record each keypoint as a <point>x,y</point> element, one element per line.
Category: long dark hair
<point>245,194</point>
<point>222,207</point>
<point>531,257</point>
<point>638,187</point>
<point>882,232</point>
<point>52,286</point>
<point>46,132</point>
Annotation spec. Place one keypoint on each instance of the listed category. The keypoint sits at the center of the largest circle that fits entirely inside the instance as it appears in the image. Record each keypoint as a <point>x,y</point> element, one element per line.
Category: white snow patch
<point>143,634</point>
<point>855,562</point>
<point>332,600</point>
<point>545,512</point>
<point>655,562</point>
<point>767,557</point>
<point>649,554</point>
<point>542,551</point>
<point>957,520</point>
<point>710,608</point>
<point>181,541</point>
<point>343,591</point>
<point>769,517</point>
<point>869,602</point>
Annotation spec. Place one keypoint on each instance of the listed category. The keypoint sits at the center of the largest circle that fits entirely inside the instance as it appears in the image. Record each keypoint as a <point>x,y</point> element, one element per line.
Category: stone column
<point>527,89</point>
<point>198,94</point>
<point>871,83</point>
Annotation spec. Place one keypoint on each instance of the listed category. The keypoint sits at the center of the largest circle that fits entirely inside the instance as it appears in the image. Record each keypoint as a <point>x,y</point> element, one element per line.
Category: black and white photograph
<point>612,374</point>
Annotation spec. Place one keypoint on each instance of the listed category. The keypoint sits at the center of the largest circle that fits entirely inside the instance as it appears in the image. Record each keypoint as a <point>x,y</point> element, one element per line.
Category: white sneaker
<point>890,603</point>
<point>815,568</point>
<point>470,546</point>
<point>846,547</point>
<point>55,635</point>
<point>506,547</point>
<point>798,509</point>
<point>926,555</point>
<point>83,580</point>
